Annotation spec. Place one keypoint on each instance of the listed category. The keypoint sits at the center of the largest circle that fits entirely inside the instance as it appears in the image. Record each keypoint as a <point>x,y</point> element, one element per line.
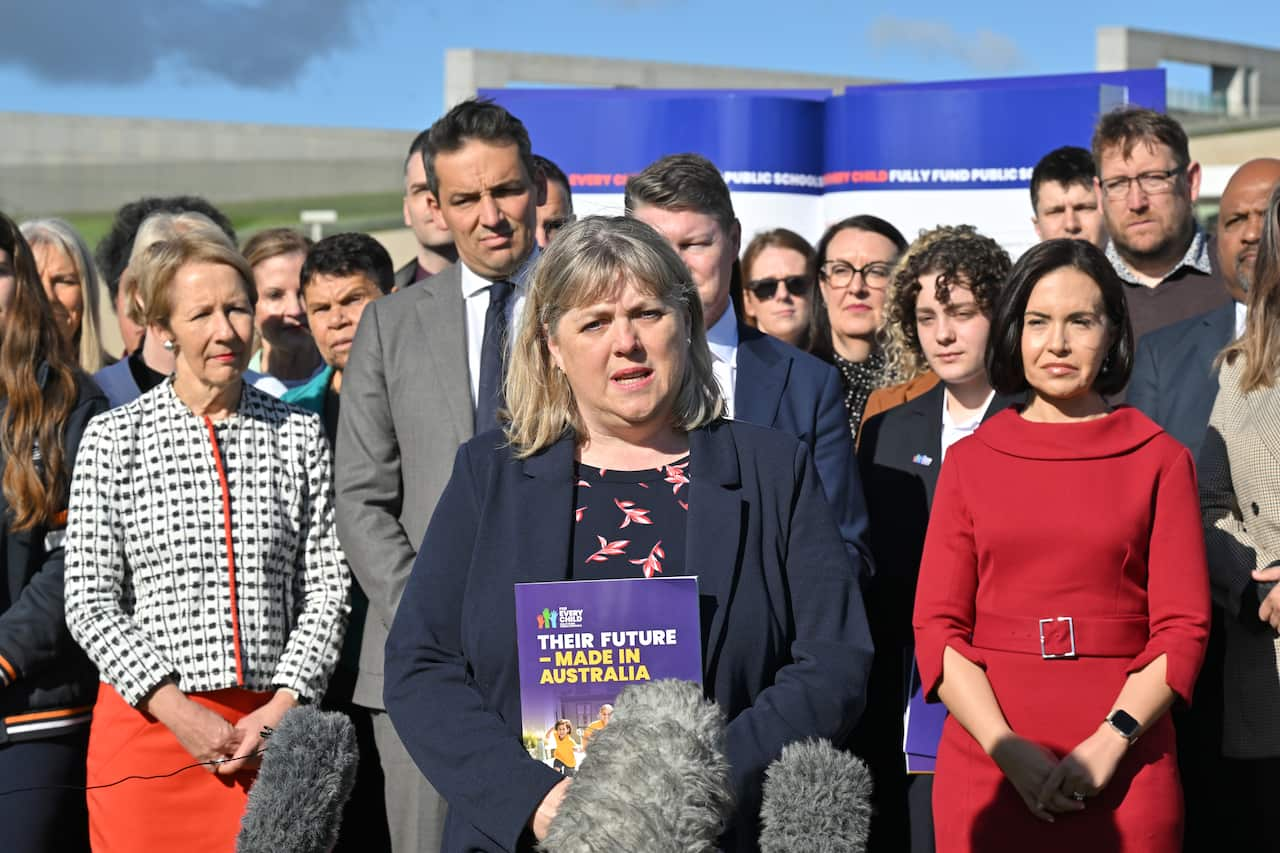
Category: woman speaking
<point>610,387</point>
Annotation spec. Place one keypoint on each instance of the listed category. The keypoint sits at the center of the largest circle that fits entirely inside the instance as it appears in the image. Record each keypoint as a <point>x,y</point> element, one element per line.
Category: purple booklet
<point>922,727</point>
<point>581,642</point>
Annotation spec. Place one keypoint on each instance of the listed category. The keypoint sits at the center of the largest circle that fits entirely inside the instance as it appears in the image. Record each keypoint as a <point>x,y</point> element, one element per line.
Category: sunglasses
<point>765,288</point>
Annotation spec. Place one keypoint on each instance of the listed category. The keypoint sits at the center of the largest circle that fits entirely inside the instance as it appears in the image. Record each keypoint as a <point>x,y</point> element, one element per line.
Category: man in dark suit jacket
<point>764,380</point>
<point>1175,384</point>
<point>415,388</point>
<point>435,242</point>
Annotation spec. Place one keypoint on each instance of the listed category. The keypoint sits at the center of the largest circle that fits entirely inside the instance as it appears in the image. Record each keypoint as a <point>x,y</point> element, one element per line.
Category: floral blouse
<point>630,524</point>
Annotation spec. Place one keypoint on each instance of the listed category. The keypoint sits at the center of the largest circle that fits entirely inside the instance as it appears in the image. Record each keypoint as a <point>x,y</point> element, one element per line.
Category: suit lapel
<point>762,377</point>
<point>922,437</point>
<point>713,542</point>
<point>1216,331</point>
<point>545,491</point>
<point>443,318</point>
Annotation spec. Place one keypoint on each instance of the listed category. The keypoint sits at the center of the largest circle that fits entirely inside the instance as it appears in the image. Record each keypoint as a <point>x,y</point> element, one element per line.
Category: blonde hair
<point>61,235</point>
<point>1260,343</point>
<point>273,243</point>
<point>160,262</point>
<point>589,260</point>
<point>155,228</point>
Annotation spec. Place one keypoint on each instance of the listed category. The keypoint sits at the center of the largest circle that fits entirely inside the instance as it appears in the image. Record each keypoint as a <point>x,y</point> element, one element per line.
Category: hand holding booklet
<point>581,642</point>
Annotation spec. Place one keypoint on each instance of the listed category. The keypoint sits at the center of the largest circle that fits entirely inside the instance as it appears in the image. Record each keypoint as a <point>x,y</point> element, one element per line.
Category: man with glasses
<point>1147,184</point>
<point>764,381</point>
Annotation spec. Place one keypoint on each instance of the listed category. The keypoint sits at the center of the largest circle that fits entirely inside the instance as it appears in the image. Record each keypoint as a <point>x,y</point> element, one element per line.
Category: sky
<point>380,63</point>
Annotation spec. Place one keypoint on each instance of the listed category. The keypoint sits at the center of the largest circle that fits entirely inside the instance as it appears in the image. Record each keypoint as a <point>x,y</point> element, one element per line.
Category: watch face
<point>1124,723</point>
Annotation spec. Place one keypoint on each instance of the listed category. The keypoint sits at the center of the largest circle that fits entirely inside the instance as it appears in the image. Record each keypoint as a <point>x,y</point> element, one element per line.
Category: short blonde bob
<point>587,262</point>
<point>158,265</point>
<point>162,225</point>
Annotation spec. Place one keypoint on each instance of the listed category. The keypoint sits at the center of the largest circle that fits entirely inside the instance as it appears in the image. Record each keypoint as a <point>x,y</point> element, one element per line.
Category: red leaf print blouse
<point>630,523</point>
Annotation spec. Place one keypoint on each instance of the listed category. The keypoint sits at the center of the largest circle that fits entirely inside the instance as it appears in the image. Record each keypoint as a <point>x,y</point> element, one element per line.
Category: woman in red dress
<point>1063,601</point>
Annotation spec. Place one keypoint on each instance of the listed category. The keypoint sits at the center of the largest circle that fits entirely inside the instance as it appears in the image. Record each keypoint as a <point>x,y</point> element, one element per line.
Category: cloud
<point>982,50</point>
<point>257,44</point>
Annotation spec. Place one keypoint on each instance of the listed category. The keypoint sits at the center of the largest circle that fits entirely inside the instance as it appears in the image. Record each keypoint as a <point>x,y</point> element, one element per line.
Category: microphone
<point>307,773</point>
<point>654,779</point>
<point>816,798</point>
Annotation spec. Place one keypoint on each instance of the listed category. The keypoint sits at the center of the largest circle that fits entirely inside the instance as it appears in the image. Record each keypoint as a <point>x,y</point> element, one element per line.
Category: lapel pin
<point>922,459</point>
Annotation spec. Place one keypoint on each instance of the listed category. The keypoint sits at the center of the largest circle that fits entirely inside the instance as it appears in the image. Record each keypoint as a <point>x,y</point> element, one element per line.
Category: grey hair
<point>588,261</point>
<point>61,235</point>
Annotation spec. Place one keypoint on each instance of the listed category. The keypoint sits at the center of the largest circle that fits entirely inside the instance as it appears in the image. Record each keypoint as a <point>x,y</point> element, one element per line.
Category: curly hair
<point>952,255</point>
<point>899,358</point>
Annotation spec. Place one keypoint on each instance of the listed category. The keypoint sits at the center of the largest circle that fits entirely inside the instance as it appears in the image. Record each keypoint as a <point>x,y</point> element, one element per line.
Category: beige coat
<point>1240,502</point>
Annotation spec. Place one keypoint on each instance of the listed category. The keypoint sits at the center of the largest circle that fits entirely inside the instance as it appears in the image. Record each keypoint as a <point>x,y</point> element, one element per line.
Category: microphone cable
<point>210,763</point>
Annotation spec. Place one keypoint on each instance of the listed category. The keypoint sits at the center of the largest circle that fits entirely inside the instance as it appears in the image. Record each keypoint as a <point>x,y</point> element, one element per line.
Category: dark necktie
<point>493,350</point>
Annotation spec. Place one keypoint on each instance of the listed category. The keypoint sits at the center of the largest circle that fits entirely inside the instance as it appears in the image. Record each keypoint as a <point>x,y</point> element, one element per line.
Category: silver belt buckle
<point>1071,628</point>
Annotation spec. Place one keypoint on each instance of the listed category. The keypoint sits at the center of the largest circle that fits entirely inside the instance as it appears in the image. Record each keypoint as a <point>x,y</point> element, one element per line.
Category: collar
<point>474,283</point>
<point>722,338</point>
<point>1122,431</point>
<point>1242,318</point>
<point>949,422</point>
<point>1196,257</point>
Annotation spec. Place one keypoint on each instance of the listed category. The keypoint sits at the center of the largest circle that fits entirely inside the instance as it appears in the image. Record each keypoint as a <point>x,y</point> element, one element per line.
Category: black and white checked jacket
<point>148,591</point>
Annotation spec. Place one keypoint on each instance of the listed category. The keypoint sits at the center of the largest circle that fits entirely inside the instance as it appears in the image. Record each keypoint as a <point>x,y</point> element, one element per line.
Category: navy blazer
<point>1174,382</point>
<point>785,644</point>
<point>782,387</point>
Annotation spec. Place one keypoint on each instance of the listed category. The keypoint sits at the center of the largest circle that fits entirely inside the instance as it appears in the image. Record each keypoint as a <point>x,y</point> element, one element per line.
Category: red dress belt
<point>1062,636</point>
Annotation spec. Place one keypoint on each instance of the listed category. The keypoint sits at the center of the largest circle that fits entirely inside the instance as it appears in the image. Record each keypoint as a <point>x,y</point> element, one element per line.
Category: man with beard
<point>1147,184</point>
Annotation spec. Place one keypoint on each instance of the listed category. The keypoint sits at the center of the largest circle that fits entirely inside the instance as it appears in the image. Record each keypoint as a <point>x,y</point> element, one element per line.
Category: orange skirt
<point>193,811</point>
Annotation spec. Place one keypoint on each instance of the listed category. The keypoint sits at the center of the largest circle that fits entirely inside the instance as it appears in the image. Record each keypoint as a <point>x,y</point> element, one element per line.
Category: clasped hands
<point>208,737</point>
<point>1049,785</point>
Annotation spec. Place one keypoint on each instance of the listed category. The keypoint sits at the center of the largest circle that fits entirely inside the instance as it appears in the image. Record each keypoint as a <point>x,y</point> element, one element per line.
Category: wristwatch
<point>1126,725</point>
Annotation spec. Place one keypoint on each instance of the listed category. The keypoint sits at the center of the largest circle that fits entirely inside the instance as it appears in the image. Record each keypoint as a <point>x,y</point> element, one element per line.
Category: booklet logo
<point>559,618</point>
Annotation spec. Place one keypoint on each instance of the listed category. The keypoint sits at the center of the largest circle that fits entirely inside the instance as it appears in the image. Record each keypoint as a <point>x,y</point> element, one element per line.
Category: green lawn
<point>366,212</point>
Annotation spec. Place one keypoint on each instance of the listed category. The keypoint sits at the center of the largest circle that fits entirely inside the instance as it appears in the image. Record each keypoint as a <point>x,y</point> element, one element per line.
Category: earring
<point>168,345</point>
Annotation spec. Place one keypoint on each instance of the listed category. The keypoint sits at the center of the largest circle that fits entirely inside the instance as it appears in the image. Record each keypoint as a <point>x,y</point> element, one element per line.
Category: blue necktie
<point>493,350</point>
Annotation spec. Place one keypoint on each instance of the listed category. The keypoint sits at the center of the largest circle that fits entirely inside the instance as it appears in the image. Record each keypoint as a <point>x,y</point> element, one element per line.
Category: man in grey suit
<point>423,376</point>
<point>435,244</point>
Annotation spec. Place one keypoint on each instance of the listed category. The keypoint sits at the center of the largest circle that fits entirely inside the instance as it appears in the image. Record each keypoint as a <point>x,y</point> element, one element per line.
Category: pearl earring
<point>168,345</point>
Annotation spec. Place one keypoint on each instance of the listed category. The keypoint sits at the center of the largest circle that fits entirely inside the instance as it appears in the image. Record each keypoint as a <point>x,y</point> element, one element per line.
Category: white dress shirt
<point>475,295</point>
<point>953,431</point>
<point>722,338</point>
<point>1242,318</point>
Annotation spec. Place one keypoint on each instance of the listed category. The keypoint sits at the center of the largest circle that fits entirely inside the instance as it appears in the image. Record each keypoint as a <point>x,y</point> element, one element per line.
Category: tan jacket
<point>1240,503</point>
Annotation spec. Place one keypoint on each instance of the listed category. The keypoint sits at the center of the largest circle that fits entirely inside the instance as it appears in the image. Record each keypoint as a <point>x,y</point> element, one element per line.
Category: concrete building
<point>62,163</point>
<point>1245,78</point>
<point>466,71</point>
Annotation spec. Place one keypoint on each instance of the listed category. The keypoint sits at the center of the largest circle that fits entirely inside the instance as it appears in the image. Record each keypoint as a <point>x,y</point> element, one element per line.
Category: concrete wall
<point>58,163</point>
<point>467,70</point>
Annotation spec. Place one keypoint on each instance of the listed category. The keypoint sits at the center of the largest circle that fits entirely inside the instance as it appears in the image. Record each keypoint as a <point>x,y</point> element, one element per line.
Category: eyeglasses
<point>765,288</point>
<point>1151,183</point>
<point>838,275</point>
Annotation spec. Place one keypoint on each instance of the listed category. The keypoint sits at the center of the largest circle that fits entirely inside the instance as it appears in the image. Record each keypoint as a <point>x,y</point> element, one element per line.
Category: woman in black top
<point>47,685</point>
<point>853,264</point>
